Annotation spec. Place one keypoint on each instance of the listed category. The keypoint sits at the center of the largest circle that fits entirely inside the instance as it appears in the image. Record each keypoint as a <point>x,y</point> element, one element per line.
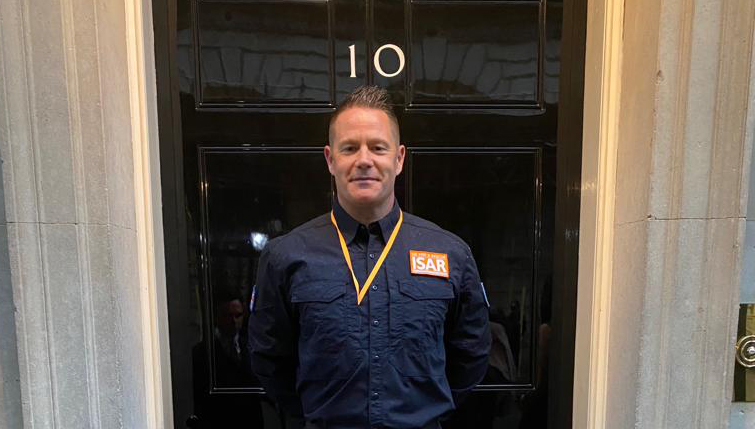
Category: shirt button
<point>372,256</point>
<point>375,322</point>
<point>376,357</point>
<point>375,395</point>
<point>374,287</point>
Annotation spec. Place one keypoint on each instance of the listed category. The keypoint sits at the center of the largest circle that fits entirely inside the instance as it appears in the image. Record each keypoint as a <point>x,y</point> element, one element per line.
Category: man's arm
<point>467,334</point>
<point>273,336</point>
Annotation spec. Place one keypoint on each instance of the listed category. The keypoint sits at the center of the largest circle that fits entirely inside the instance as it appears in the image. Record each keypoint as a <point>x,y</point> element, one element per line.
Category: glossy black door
<point>476,87</point>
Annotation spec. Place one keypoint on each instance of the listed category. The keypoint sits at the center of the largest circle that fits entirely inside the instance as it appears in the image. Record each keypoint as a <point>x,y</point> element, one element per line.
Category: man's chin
<point>365,199</point>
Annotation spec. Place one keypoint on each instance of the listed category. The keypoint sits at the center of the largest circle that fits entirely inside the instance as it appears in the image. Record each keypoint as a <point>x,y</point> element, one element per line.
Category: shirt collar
<point>348,225</point>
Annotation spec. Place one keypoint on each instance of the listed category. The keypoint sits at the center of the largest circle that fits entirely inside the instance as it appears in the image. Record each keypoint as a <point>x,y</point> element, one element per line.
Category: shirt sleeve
<point>273,334</point>
<point>468,334</point>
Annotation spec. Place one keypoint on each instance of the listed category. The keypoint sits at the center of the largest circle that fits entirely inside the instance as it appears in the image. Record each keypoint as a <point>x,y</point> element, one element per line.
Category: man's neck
<point>367,214</point>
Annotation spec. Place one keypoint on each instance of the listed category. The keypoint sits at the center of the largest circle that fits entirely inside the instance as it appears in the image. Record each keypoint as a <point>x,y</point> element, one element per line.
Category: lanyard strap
<point>363,291</point>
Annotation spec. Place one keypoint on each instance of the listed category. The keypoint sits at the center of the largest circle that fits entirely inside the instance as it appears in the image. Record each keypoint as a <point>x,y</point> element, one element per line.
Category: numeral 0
<point>376,60</point>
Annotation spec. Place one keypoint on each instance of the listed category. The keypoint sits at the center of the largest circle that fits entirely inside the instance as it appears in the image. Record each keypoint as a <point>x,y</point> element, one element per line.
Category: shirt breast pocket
<point>323,316</point>
<point>418,314</point>
<point>419,311</point>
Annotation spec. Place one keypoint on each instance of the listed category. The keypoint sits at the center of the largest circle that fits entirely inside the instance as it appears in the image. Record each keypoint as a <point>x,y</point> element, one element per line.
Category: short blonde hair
<point>368,96</point>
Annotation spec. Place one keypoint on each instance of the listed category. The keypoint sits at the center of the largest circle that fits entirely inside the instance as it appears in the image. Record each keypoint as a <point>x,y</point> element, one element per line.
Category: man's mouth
<point>364,179</point>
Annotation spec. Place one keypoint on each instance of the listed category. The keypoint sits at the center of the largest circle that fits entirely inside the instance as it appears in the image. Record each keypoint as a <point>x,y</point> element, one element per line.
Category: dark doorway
<point>487,94</point>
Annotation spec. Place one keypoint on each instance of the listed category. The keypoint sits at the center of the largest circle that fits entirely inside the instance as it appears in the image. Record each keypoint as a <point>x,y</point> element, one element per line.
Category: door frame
<point>602,96</point>
<point>148,188</point>
<point>587,207</point>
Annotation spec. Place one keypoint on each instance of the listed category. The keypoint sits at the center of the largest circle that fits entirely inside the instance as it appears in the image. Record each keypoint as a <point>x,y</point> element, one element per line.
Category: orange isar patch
<point>428,263</point>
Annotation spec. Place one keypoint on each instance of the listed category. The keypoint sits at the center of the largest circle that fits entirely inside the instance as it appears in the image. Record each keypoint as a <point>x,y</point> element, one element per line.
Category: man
<point>368,316</point>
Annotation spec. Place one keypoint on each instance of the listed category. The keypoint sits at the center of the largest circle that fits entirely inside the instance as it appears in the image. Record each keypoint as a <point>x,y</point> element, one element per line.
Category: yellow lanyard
<point>368,282</point>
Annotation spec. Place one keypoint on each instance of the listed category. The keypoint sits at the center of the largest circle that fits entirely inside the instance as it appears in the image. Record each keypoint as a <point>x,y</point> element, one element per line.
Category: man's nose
<point>364,158</point>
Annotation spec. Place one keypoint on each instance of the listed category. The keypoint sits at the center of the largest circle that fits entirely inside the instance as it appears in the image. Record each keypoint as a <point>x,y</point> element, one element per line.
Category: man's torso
<point>382,361</point>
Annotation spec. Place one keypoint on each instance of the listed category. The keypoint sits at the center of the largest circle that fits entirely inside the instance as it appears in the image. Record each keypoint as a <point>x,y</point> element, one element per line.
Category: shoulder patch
<point>252,300</point>
<point>484,295</point>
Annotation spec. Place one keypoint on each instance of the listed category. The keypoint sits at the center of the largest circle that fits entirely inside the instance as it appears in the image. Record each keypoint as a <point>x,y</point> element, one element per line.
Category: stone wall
<point>10,381</point>
<point>69,200</point>
<point>681,192</point>
<point>743,413</point>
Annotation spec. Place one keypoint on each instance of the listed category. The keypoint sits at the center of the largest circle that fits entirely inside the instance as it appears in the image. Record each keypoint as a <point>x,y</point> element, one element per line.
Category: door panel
<point>259,53</point>
<point>477,68</point>
<point>491,199</point>
<point>477,98</point>
<point>249,197</point>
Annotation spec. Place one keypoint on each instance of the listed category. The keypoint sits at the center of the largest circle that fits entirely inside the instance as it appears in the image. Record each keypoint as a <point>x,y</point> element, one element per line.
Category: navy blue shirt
<point>401,359</point>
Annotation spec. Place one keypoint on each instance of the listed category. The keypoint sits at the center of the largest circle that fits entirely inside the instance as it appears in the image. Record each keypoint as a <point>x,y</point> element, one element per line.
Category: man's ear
<point>328,157</point>
<point>400,159</point>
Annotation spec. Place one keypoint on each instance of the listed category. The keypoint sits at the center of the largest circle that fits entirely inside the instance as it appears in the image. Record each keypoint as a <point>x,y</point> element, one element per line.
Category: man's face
<point>364,156</point>
<point>230,317</point>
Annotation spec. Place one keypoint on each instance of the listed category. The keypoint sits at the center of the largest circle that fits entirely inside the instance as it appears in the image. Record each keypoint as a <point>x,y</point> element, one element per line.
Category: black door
<point>247,89</point>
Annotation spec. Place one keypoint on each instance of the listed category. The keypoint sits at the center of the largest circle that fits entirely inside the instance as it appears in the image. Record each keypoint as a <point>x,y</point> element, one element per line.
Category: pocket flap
<point>318,291</point>
<point>427,288</point>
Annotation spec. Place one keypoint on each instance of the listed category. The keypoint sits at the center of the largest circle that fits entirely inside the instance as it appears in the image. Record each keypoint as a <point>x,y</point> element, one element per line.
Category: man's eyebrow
<point>345,142</point>
<point>378,141</point>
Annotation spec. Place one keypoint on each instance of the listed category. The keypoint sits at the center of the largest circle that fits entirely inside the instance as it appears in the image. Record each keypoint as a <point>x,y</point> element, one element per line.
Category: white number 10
<point>376,60</point>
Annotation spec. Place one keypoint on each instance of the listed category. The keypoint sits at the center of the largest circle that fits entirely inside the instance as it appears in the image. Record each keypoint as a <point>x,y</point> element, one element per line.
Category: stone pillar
<point>68,174</point>
<point>687,90</point>
<point>10,388</point>
<point>743,413</point>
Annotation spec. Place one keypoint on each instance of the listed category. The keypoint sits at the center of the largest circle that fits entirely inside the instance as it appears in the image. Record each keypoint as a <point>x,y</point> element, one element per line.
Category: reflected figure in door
<point>230,368</point>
